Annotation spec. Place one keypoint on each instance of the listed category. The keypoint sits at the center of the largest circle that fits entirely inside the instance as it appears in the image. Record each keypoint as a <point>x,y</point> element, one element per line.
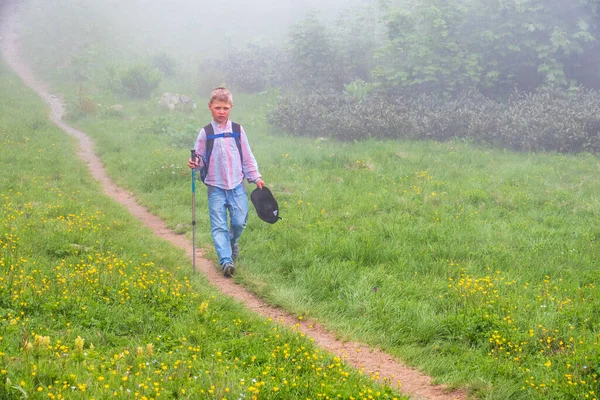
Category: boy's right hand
<point>193,163</point>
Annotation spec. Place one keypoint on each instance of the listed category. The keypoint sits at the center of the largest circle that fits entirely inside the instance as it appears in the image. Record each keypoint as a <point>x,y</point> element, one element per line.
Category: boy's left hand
<point>260,184</point>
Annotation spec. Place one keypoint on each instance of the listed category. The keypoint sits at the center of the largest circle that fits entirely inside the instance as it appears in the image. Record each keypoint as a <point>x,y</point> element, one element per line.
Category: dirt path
<point>372,361</point>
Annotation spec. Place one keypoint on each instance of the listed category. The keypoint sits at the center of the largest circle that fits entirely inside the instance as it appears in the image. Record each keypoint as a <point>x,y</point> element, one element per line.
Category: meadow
<point>88,313</point>
<point>476,265</point>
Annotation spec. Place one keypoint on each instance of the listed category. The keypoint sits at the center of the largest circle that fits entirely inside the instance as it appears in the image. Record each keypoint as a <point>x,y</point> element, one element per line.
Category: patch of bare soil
<point>370,360</point>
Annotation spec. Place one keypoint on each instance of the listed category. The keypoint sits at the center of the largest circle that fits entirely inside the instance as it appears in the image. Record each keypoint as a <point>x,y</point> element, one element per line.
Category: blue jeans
<point>219,202</point>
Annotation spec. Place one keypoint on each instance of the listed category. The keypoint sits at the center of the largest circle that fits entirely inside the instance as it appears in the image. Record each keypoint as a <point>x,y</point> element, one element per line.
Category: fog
<point>190,28</point>
<point>217,24</point>
<point>383,49</point>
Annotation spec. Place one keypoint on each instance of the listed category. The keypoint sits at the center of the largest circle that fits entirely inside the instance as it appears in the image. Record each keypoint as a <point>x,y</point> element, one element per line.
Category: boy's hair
<point>221,94</point>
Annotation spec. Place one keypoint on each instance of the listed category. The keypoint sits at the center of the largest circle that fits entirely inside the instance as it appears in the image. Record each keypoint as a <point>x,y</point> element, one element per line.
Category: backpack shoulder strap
<point>236,130</point>
<point>210,132</point>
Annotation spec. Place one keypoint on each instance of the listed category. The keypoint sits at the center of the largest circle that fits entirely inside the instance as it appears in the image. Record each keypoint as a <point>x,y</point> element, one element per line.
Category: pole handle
<point>194,158</point>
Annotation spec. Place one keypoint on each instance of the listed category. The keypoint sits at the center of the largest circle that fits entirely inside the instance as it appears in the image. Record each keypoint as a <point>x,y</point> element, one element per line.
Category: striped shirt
<point>226,170</point>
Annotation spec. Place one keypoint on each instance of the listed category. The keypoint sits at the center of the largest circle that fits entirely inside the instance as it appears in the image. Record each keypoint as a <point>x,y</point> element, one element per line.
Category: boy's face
<point>220,111</point>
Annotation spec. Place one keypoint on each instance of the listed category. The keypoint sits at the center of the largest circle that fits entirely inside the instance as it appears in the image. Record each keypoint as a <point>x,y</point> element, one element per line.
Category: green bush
<point>549,120</point>
<point>139,81</point>
<point>333,114</point>
<point>358,89</point>
<point>80,106</point>
<point>552,120</point>
<point>164,63</point>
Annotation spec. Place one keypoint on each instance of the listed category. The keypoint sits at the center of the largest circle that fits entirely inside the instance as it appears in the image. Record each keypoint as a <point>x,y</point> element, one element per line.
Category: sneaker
<point>228,270</point>
<point>235,251</point>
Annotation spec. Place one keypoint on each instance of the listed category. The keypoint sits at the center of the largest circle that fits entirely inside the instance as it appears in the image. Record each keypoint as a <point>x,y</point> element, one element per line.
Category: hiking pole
<point>193,212</point>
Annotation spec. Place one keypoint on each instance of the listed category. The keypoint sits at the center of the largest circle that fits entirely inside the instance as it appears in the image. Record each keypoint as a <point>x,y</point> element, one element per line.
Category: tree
<point>312,54</point>
<point>494,45</point>
<point>425,51</point>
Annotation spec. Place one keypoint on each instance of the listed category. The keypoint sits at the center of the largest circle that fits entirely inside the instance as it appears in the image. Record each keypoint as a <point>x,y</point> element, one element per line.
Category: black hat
<point>266,206</point>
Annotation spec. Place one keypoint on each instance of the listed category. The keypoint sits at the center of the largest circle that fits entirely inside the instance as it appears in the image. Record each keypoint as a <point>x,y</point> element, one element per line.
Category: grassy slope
<point>477,265</point>
<point>92,305</point>
<point>441,253</point>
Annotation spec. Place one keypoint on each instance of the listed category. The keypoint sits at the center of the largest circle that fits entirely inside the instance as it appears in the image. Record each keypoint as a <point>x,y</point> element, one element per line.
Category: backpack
<point>210,138</point>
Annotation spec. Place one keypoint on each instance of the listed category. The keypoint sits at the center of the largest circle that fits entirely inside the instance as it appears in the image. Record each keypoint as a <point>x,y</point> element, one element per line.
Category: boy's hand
<point>260,184</point>
<point>193,163</point>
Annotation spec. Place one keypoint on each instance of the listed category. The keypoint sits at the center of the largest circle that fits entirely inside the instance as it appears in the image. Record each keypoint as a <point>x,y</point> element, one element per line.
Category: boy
<point>225,177</point>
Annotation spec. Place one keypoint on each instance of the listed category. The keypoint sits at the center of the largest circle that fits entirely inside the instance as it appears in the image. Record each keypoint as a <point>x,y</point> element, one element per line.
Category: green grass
<point>479,266</point>
<point>93,305</point>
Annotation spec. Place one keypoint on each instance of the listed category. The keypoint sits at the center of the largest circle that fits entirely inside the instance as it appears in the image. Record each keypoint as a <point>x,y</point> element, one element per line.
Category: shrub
<point>139,81</point>
<point>358,89</point>
<point>550,120</point>
<point>328,113</point>
<point>164,63</point>
<point>81,106</point>
<point>114,111</point>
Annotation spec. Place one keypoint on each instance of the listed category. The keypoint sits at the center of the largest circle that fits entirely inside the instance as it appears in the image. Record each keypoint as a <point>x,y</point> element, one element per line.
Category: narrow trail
<point>371,361</point>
